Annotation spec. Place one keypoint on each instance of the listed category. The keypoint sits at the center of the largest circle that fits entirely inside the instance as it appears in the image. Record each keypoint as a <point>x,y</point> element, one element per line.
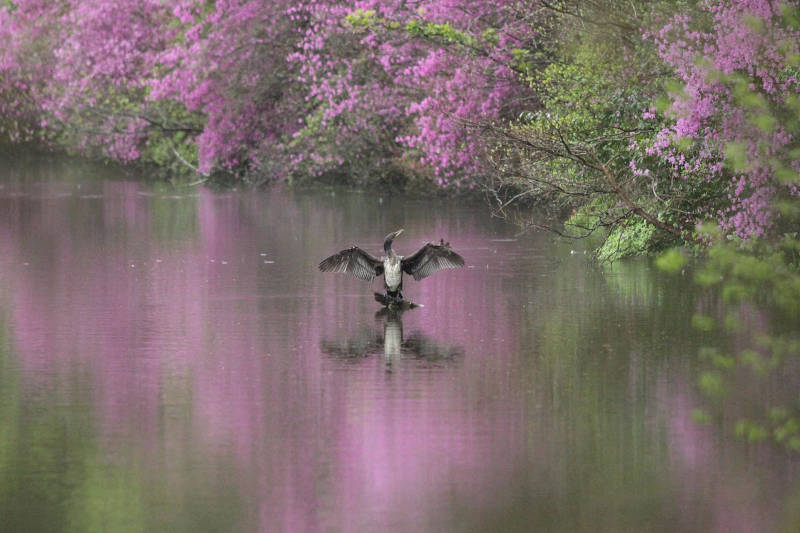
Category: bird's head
<point>387,242</point>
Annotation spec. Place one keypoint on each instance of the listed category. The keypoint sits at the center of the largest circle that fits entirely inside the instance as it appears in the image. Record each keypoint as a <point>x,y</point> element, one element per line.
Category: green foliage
<point>700,416</point>
<point>717,359</point>
<point>171,144</point>
<point>362,162</point>
<point>754,278</point>
<point>441,32</point>
<point>671,261</point>
<point>702,322</point>
<point>167,151</point>
<point>736,153</point>
<point>712,383</point>
<point>758,277</point>
<point>633,237</point>
<point>583,93</point>
<point>588,144</point>
<point>761,271</point>
<point>361,18</point>
<point>445,33</point>
<point>752,431</point>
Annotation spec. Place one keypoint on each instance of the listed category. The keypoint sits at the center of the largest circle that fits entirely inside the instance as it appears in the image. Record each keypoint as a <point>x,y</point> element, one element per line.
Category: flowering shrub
<point>642,165</point>
<point>229,65</point>
<point>79,68</point>
<point>26,61</point>
<point>417,76</point>
<point>369,90</point>
<point>265,86</point>
<point>737,104</point>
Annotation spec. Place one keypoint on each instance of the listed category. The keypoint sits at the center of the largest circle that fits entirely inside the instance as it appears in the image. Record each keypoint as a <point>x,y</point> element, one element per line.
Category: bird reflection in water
<point>392,343</point>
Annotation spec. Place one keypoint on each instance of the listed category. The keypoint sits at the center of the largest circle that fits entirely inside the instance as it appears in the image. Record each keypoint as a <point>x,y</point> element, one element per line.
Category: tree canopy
<point>641,119</point>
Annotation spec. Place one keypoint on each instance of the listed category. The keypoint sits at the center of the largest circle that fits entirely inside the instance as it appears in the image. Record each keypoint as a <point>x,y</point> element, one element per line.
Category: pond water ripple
<point>173,360</point>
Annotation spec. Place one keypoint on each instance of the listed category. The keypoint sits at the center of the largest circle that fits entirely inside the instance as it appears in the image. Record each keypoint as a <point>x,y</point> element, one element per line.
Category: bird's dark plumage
<point>355,261</point>
<point>431,258</point>
<point>421,264</point>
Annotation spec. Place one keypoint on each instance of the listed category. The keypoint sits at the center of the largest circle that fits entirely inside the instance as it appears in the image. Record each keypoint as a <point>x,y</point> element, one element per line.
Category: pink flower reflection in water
<point>197,354</point>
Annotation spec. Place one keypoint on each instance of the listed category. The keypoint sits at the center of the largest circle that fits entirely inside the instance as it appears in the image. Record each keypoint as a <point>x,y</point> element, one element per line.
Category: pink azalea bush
<point>230,65</point>
<point>364,90</point>
<point>737,104</point>
<point>418,77</point>
<point>265,85</point>
<point>80,71</point>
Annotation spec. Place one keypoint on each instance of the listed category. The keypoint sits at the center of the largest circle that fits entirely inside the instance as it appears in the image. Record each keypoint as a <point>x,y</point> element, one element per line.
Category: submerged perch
<point>394,305</point>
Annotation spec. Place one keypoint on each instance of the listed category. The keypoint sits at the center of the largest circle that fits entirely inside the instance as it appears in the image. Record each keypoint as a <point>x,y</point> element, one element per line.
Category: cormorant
<point>421,264</point>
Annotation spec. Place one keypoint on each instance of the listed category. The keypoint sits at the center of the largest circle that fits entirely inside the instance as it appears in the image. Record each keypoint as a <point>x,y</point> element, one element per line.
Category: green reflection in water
<point>608,380</point>
<point>601,348</point>
<point>57,475</point>
<point>173,213</point>
<point>45,450</point>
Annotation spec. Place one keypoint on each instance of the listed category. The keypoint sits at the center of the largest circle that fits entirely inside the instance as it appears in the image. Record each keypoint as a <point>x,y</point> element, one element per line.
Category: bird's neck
<point>387,247</point>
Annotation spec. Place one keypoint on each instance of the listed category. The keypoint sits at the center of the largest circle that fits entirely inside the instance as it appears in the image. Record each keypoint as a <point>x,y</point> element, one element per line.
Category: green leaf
<point>736,155</point>
<point>711,384</point>
<point>702,322</point>
<point>700,416</point>
<point>671,261</point>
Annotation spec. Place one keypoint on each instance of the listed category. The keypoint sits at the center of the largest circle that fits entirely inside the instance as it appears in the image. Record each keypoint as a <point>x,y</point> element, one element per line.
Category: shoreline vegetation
<point>657,127</point>
<point>643,121</point>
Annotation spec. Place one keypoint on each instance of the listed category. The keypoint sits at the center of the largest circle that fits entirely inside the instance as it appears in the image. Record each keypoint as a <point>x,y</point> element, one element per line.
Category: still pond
<point>172,360</point>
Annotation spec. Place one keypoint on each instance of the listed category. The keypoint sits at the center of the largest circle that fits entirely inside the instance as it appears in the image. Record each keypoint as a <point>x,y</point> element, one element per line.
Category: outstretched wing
<point>430,258</point>
<point>355,261</point>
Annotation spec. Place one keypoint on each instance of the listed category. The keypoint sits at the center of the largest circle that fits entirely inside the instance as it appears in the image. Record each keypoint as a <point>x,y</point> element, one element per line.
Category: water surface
<point>171,360</point>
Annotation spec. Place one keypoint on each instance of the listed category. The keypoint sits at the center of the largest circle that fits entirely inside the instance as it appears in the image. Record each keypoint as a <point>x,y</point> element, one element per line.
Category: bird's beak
<point>398,232</point>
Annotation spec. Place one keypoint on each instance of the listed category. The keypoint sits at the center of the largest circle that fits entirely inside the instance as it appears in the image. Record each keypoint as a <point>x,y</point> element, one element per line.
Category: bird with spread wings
<point>421,264</point>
